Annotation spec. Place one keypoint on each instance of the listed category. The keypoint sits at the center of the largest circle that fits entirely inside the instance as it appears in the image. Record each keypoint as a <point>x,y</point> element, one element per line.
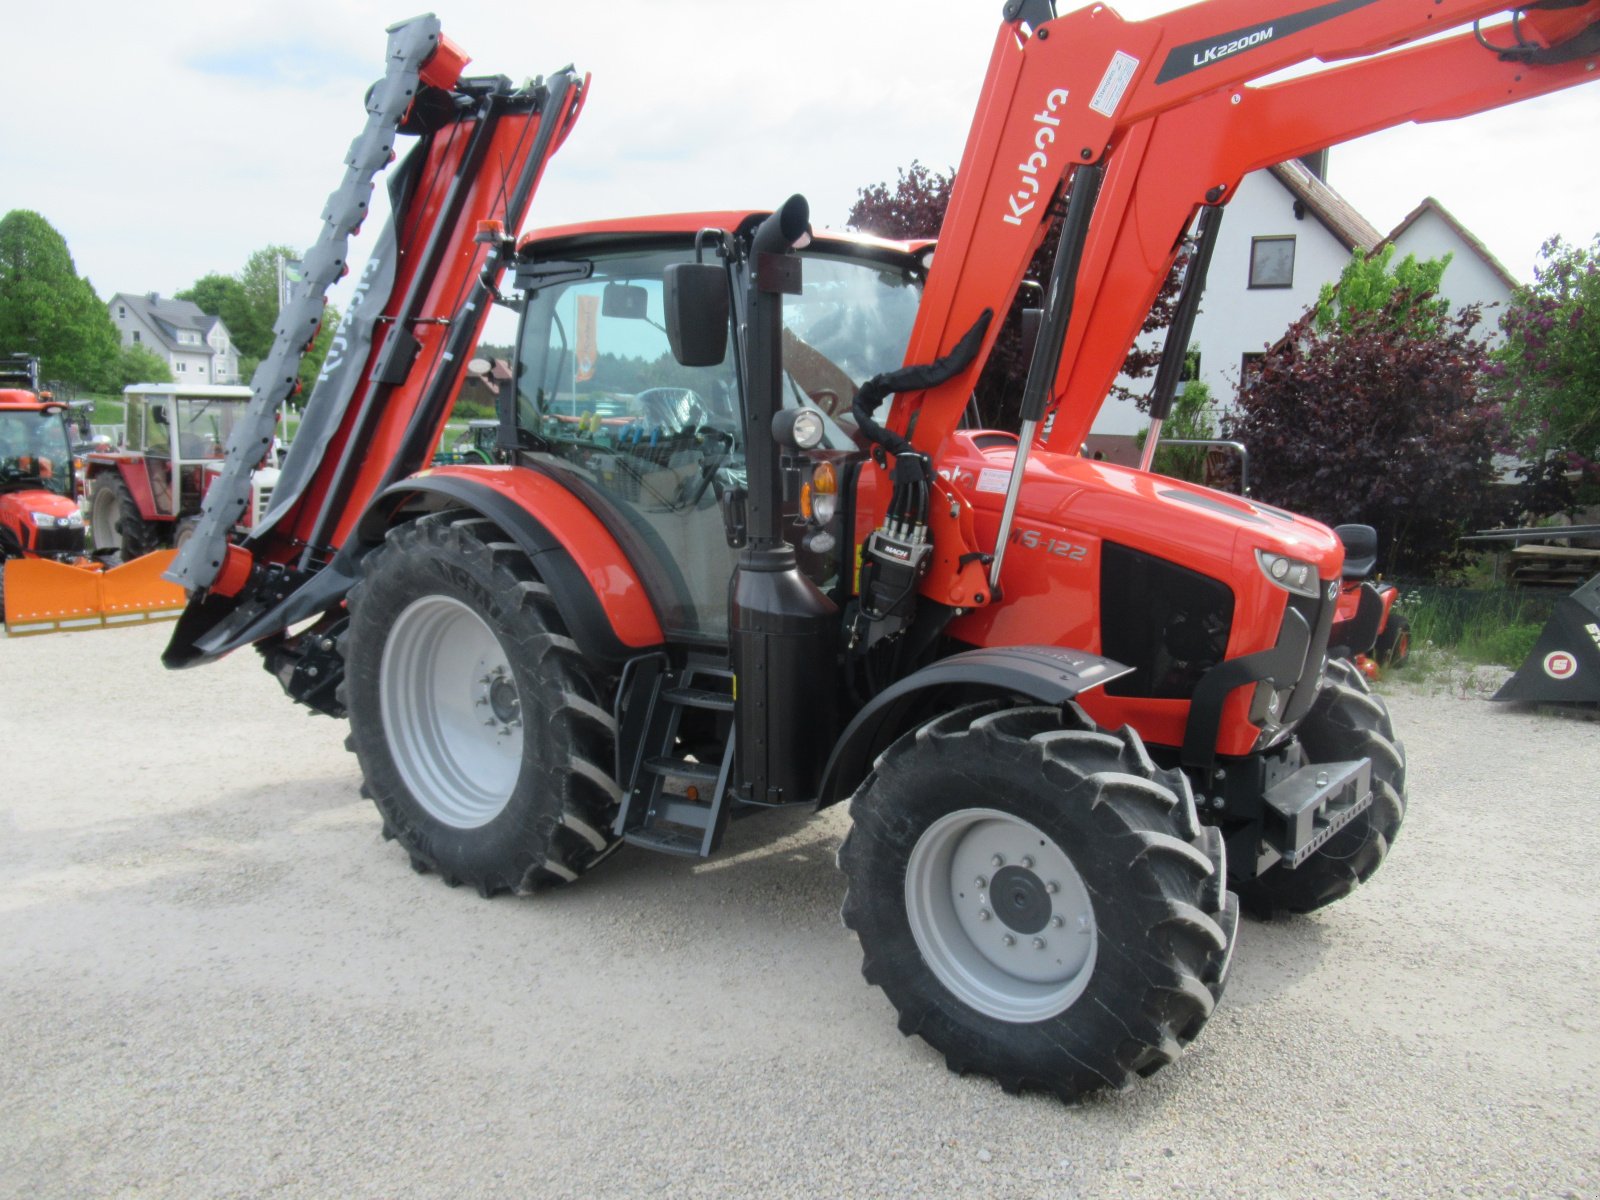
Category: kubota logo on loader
<point>1024,198</point>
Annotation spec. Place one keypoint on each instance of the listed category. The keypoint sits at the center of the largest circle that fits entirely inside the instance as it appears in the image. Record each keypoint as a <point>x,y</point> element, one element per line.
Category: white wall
<point>1467,280</point>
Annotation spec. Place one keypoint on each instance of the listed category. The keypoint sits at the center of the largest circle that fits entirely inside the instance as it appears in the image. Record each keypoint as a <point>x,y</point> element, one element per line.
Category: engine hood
<point>1163,516</point>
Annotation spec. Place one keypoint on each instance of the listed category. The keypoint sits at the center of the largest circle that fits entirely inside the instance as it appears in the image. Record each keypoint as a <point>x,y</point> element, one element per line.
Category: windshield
<point>34,451</point>
<point>204,426</point>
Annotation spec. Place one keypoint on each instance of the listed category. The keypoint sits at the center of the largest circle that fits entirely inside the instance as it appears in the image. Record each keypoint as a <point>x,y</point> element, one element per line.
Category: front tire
<point>1040,904</point>
<point>114,520</point>
<point>1343,724</point>
<point>482,733</point>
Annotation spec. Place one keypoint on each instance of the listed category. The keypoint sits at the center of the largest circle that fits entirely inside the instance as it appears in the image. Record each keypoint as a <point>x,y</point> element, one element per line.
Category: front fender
<point>1046,674</point>
<point>594,586</point>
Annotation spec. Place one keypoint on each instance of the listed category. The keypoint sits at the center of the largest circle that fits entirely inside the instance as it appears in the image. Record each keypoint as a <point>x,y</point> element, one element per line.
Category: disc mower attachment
<point>1565,663</point>
<point>42,596</point>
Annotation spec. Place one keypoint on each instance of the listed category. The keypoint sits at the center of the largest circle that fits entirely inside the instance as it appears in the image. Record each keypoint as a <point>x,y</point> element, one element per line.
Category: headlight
<point>823,507</point>
<point>1290,574</point>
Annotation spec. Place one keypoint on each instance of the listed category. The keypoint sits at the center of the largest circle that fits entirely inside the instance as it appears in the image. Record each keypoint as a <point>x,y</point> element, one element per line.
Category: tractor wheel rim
<point>1001,915</point>
<point>452,711</point>
<point>103,518</point>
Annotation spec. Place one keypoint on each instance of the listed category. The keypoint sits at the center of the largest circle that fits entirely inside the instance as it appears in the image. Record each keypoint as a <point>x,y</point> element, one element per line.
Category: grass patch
<point>1489,627</point>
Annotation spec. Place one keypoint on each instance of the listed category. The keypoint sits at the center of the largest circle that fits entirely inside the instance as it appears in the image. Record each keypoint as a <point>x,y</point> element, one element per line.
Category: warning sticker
<point>992,479</point>
<point>1559,664</point>
<point>1113,84</point>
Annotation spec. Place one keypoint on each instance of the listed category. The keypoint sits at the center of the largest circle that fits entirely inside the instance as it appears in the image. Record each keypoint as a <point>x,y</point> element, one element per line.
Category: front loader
<point>742,552</point>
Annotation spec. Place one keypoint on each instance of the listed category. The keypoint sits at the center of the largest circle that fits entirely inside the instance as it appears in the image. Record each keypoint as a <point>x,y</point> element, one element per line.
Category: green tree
<point>48,310</point>
<point>1190,418</point>
<point>1368,285</point>
<point>1547,375</point>
<point>139,364</point>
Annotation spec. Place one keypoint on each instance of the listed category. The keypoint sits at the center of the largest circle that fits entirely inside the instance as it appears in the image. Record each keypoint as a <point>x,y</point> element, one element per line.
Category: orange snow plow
<point>42,596</point>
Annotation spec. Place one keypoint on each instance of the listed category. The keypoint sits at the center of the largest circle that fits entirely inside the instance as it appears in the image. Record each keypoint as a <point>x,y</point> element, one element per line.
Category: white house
<point>195,345</point>
<point>1474,275</point>
<point>1284,235</point>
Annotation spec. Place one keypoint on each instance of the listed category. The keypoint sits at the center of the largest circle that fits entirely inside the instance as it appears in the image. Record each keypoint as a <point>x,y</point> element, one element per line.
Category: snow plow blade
<point>1564,666</point>
<point>50,597</point>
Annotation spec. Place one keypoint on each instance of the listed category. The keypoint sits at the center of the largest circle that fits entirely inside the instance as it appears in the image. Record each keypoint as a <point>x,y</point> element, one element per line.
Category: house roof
<point>1333,211</point>
<point>167,317</point>
<point>1467,237</point>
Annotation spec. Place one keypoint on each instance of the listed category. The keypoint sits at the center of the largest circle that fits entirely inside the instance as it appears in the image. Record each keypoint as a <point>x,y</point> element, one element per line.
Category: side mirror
<point>696,297</point>
<point>158,414</point>
<point>625,300</point>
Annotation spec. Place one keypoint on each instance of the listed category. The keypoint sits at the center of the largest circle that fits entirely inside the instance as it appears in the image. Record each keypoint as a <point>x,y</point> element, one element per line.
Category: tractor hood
<point>1162,516</point>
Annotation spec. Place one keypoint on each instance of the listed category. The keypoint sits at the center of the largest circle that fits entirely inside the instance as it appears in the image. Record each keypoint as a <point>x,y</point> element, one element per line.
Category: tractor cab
<point>656,448</point>
<point>38,513</point>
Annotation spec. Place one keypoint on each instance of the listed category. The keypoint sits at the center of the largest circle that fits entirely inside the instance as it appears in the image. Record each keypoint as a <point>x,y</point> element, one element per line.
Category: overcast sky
<point>168,139</point>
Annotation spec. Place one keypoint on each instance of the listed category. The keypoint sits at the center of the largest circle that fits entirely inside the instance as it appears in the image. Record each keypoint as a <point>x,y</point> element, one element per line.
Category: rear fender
<point>1041,674</point>
<point>594,586</point>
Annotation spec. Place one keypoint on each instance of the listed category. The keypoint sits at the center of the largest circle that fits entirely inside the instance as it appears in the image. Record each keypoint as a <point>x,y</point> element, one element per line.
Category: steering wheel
<point>671,409</point>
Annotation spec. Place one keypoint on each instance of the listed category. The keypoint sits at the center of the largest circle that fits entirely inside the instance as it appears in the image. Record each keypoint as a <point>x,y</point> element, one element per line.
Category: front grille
<point>1168,623</point>
<point>56,540</point>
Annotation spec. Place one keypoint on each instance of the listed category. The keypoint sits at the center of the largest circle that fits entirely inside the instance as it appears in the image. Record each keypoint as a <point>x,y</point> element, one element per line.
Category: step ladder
<point>674,803</point>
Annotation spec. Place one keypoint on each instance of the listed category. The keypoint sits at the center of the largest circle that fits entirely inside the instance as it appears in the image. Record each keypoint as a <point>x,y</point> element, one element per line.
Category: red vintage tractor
<point>1074,707</point>
<point>146,494</point>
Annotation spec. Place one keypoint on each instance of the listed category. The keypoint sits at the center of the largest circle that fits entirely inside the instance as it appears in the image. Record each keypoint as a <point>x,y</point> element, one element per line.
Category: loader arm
<point>1163,107</point>
<point>400,354</point>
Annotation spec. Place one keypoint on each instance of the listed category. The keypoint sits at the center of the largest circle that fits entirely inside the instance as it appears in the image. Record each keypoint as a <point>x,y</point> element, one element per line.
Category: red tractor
<point>39,515</point>
<point>1074,707</point>
<point>146,494</point>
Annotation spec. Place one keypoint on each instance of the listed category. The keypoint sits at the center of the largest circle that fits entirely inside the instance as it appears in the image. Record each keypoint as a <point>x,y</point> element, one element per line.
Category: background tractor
<point>147,493</point>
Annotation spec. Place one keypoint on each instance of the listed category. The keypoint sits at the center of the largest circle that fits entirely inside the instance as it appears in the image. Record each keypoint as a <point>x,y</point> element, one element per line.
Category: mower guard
<point>1564,666</point>
<point>42,596</point>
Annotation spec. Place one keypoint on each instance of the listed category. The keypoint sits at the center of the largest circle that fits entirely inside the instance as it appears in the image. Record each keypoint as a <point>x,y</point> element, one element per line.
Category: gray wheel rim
<point>451,711</point>
<point>103,513</point>
<point>1001,915</point>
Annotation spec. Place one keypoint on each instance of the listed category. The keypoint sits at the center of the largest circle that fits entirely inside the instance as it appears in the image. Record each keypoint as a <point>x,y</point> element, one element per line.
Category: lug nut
<point>999,860</point>
<point>983,914</point>
<point>1052,887</point>
<point>1038,943</point>
<point>1056,922</point>
<point>1027,863</point>
<point>982,882</point>
<point>1009,940</point>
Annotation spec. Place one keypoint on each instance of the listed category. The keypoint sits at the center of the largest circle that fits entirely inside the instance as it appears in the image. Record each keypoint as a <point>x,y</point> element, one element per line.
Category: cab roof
<point>22,398</point>
<point>691,223</point>
<point>196,391</point>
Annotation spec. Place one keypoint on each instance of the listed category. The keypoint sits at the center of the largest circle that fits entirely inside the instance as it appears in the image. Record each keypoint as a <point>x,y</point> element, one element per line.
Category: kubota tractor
<point>146,494</point>
<point>1074,707</point>
<point>39,515</point>
<point>48,580</point>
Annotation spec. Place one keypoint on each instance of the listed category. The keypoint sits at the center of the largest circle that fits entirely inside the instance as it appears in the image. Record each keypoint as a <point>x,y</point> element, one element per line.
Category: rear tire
<point>482,732</point>
<point>114,520</point>
<point>1093,865</point>
<point>1343,724</point>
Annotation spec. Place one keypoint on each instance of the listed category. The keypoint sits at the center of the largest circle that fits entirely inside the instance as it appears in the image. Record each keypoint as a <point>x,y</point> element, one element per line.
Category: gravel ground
<point>217,980</point>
